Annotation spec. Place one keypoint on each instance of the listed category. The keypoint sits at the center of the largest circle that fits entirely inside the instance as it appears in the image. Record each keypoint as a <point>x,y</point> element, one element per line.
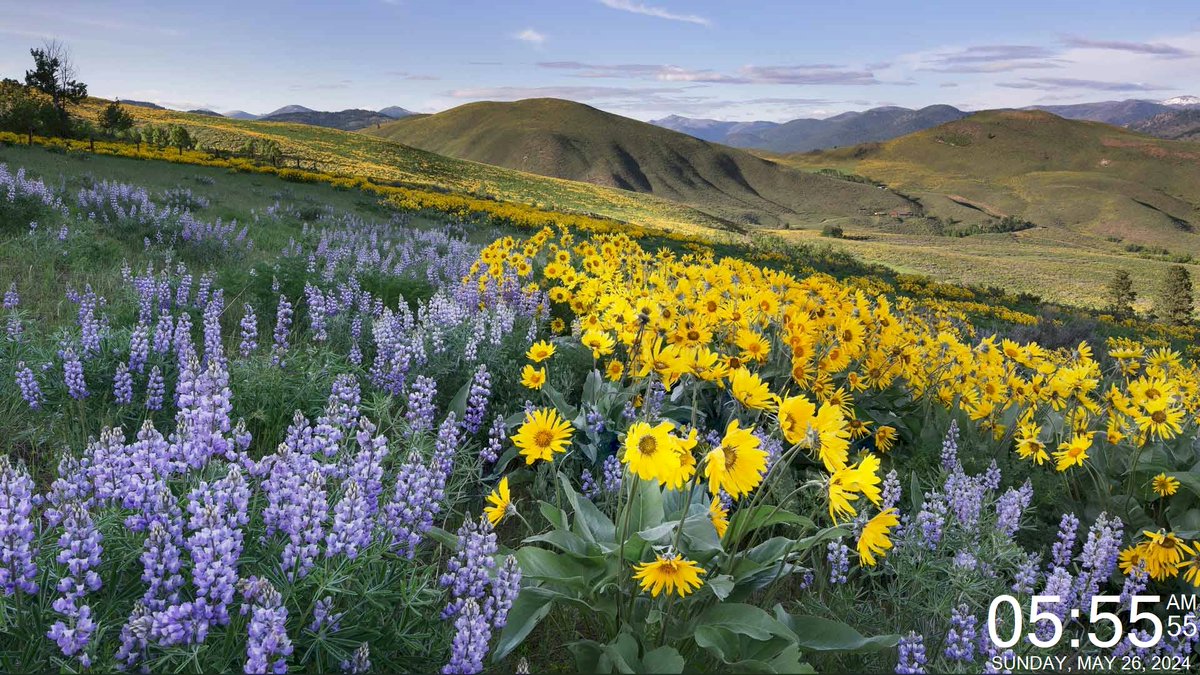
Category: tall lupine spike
<point>505,588</point>
<point>73,375</point>
<point>123,385</point>
<point>155,389</point>
<point>470,645</point>
<point>468,571</point>
<point>356,355</point>
<point>477,400</point>
<point>214,349</point>
<point>89,324</point>
<point>316,312</point>
<point>27,382</point>
<point>497,434</point>
<point>139,347</point>
<point>419,491</point>
<point>18,566</point>
<point>80,548</point>
<point>217,513</point>
<point>164,331</point>
<point>421,408</point>
<point>283,326</point>
<point>249,328</point>
<point>268,645</point>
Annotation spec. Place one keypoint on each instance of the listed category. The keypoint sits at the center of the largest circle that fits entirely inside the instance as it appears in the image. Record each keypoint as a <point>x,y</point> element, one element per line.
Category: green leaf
<point>539,563</point>
<point>458,405</point>
<point>591,386</point>
<point>751,520</point>
<point>647,505</point>
<point>721,586</point>
<point>531,606</point>
<point>1189,480</point>
<point>817,634</point>
<point>558,401</point>
<point>658,532</point>
<point>623,653</point>
<point>443,537</point>
<point>564,540</point>
<point>590,521</point>
<point>741,619</point>
<point>663,660</point>
<point>554,515</point>
<point>718,641</point>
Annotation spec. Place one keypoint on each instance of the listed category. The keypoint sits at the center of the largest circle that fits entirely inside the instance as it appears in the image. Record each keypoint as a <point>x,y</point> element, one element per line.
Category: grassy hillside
<point>570,140</point>
<point>342,152</point>
<point>1102,198</point>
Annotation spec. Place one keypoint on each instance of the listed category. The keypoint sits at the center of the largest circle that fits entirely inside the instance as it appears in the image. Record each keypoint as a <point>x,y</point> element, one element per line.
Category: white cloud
<point>639,8</point>
<point>531,36</point>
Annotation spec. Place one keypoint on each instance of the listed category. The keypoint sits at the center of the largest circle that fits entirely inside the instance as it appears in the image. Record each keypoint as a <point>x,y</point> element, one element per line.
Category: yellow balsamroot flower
<point>874,538</point>
<point>858,428</point>
<point>847,484</point>
<point>1160,419</point>
<point>500,500</point>
<point>737,464</point>
<point>598,341</point>
<point>823,430</point>
<point>686,460</point>
<point>1191,566</point>
<point>558,326</point>
<point>533,378</point>
<point>1162,552</point>
<point>650,451</point>
<point>543,434</point>
<point>1164,485</point>
<point>1073,452</point>
<point>540,351</point>
<point>749,389</point>
<point>753,345</point>
<point>719,516</point>
<point>1029,445</point>
<point>614,370</point>
<point>885,438</point>
<point>671,573</point>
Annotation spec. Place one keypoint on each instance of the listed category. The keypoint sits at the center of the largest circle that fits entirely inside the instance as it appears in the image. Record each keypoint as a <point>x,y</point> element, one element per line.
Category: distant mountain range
<point>351,119</point>
<point>802,135</point>
<point>882,124</point>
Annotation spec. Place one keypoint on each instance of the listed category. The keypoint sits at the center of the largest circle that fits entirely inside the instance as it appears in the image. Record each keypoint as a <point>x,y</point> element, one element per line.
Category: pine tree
<point>1176,301</point>
<point>1121,295</point>
<point>115,119</point>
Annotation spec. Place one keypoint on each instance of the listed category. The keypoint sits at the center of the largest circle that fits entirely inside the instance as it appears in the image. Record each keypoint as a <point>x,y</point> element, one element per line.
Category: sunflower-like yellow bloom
<point>670,573</point>
<point>749,389</point>
<point>650,451</point>
<point>1191,567</point>
<point>1029,443</point>
<point>543,433</point>
<point>737,464</point>
<point>823,430</point>
<point>846,484</point>
<point>1162,552</point>
<point>1164,485</point>
<point>500,500</point>
<point>1073,452</point>
<point>1160,419</point>
<point>885,438</point>
<point>598,341</point>
<point>533,378</point>
<point>540,351</point>
<point>718,515</point>
<point>874,538</point>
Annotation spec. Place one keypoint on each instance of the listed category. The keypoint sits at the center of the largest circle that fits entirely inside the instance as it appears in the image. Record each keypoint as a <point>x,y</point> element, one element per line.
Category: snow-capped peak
<point>1183,101</point>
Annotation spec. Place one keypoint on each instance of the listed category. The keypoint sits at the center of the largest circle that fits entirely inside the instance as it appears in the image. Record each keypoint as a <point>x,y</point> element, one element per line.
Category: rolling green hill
<point>569,140</point>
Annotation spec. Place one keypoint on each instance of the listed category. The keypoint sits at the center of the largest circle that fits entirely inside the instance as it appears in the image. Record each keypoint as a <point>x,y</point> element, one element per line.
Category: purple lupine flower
<point>164,331</point>
<point>931,519</point>
<point>468,570</point>
<point>965,496</point>
<point>139,347</point>
<point>134,638</point>
<point>1099,557</point>
<point>183,292</point>
<point>155,390</point>
<point>181,624</point>
<point>268,646</point>
<point>477,400</point>
<point>359,663</point>
<point>613,475</point>
<point>420,405</point>
<point>356,355</point>
<point>497,434</point>
<point>587,485</point>
<point>354,515</point>
<point>213,348</point>
<point>13,327</point>
<point>80,547</point>
<point>161,564</point>
<point>182,339</point>
<point>324,617</point>
<point>505,588</point>
<point>123,385</point>
<point>1027,575</point>
<point>992,477</point>
<point>1135,583</point>
<point>415,501</point>
<point>11,297</point>
<point>911,653</point>
<point>202,289</point>
<point>30,391</point>
<point>249,326</point>
<point>341,414</point>
<point>1064,548</point>
<point>73,374</point>
<point>471,637</point>
<point>966,560</point>
<point>1059,582</point>
<point>960,641</point>
<point>18,566</point>
<point>950,449</point>
<point>217,513</point>
<point>891,490</point>
<point>89,324</point>
<point>316,312</point>
<point>1010,507</point>
<point>838,557</point>
<point>595,421</point>
<point>283,326</point>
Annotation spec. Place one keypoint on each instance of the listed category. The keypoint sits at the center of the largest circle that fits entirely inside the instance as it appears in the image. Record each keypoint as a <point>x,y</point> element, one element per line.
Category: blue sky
<point>752,59</point>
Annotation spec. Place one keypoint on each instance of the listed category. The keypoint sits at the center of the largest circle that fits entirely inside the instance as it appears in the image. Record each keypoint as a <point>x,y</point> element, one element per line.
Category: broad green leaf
<point>663,660</point>
<point>721,585</point>
<point>817,634</point>
<point>718,641</point>
<point>554,515</point>
<point>590,521</point>
<point>742,619</point>
<point>564,540</point>
<point>647,505</point>
<point>531,606</point>
<point>623,653</point>
<point>539,563</point>
<point>658,532</point>
<point>751,520</point>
